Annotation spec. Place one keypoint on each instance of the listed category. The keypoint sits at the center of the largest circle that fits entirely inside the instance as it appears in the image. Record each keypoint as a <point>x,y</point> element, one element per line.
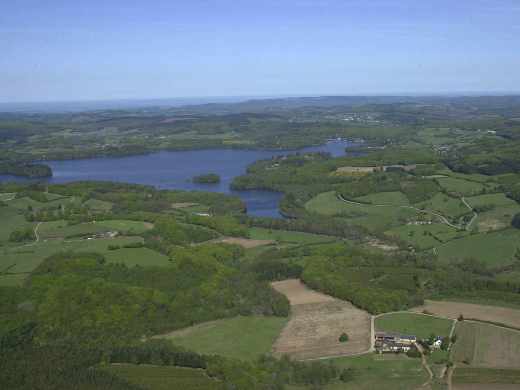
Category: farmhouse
<point>393,342</point>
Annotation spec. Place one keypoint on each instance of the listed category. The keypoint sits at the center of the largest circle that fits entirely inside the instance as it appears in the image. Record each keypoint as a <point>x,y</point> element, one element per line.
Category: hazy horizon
<point>60,51</point>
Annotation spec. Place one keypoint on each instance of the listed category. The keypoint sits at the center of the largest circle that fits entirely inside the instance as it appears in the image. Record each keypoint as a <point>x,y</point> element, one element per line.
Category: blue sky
<point>76,50</point>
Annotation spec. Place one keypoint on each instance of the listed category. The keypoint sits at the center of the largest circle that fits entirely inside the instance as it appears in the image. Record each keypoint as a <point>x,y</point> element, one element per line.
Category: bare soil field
<point>317,320</point>
<point>501,315</point>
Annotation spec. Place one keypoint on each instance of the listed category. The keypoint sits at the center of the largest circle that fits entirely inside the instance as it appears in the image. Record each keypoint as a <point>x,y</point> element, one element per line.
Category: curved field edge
<point>240,337</point>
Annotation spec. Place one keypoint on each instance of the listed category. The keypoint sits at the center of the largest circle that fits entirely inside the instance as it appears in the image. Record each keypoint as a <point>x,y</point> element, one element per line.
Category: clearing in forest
<point>500,315</point>
<point>317,320</point>
<point>239,337</point>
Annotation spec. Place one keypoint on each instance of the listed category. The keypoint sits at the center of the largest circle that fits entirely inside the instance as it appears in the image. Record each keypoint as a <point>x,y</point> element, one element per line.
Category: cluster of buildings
<point>393,342</point>
<point>397,342</point>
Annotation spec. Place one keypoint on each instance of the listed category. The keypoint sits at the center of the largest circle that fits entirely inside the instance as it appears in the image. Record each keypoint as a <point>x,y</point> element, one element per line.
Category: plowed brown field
<point>317,320</point>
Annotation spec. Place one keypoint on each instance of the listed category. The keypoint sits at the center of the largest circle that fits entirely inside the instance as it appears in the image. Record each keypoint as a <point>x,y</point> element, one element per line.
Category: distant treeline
<point>25,170</point>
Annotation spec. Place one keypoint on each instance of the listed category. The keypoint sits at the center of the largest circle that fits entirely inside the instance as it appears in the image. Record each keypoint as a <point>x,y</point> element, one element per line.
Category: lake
<point>174,170</point>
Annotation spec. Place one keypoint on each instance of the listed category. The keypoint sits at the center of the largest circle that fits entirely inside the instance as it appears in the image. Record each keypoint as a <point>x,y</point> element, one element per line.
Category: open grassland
<point>460,186</point>
<point>7,196</point>
<point>246,243</point>
<point>393,198</point>
<point>11,219</point>
<point>426,236</point>
<point>98,205</point>
<point>494,248</point>
<point>317,320</point>
<point>419,325</point>
<point>373,371</point>
<point>486,345</point>
<point>288,237</point>
<point>502,315</point>
<point>369,216</point>
<point>448,206</point>
<point>485,379</point>
<point>240,337</point>
<point>498,211</point>
<point>164,377</point>
<point>60,229</point>
<point>474,177</point>
<point>143,257</point>
<point>23,259</point>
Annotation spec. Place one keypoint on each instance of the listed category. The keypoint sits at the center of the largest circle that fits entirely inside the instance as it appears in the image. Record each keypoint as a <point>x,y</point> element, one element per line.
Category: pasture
<point>61,229</point>
<point>465,378</point>
<point>494,248</point>
<point>460,186</point>
<point>22,260</point>
<point>163,377</point>
<point>317,320</point>
<point>486,345</point>
<point>498,211</point>
<point>419,325</point>
<point>287,237</point>
<point>240,337</point>
<point>391,198</point>
<point>373,371</point>
<point>426,236</point>
<point>370,216</point>
<point>448,206</point>
<point>12,219</point>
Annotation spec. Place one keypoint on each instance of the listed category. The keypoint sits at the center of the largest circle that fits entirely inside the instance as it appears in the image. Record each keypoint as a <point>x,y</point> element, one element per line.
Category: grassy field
<point>426,236</point>
<point>287,237</point>
<point>389,372</point>
<point>61,229</point>
<point>485,345</point>
<point>137,256</point>
<point>501,214</point>
<point>460,186</point>
<point>371,217</point>
<point>12,219</point>
<point>395,198</point>
<point>445,205</point>
<point>164,377</point>
<point>485,375</point>
<point>98,205</point>
<point>494,248</point>
<point>419,325</point>
<point>6,196</point>
<point>23,259</point>
<point>239,337</point>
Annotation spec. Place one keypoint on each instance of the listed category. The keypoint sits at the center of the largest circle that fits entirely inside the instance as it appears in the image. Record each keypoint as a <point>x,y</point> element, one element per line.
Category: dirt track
<point>317,321</point>
<point>502,315</point>
<point>246,242</point>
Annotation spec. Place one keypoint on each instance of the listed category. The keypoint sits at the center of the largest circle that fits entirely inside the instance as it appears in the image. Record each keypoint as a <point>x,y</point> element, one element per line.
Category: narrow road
<point>36,235</point>
<point>475,215</point>
<point>425,365</point>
